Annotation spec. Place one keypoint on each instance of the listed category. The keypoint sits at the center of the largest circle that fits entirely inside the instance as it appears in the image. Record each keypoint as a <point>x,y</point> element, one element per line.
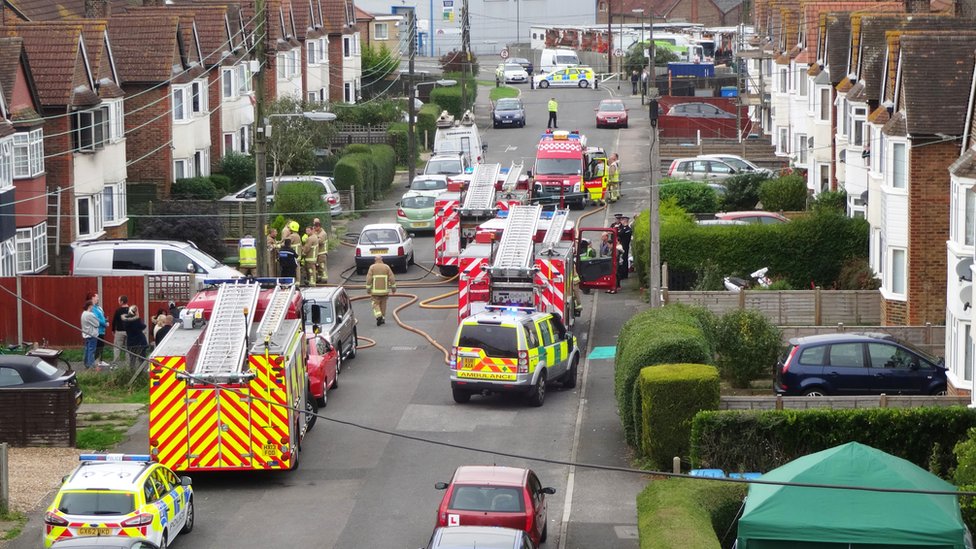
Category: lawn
<point>113,386</point>
<point>502,92</point>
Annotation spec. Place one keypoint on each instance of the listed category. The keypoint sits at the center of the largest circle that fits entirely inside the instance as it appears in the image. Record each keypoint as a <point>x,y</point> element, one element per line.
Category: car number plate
<point>468,363</point>
<point>270,449</point>
<point>507,121</point>
<point>94,531</point>
<point>611,119</point>
<point>416,224</point>
<point>378,251</point>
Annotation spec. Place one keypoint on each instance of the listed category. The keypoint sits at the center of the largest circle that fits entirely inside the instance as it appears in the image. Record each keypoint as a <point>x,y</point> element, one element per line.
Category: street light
<point>262,132</point>
<point>412,123</point>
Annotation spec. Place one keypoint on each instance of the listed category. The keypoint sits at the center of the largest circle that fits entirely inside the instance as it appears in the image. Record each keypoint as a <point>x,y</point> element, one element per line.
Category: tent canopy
<point>802,517</point>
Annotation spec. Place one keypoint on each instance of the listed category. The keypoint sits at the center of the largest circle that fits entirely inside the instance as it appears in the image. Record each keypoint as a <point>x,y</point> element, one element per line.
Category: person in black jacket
<point>118,328</point>
<point>135,334</point>
<point>287,260</point>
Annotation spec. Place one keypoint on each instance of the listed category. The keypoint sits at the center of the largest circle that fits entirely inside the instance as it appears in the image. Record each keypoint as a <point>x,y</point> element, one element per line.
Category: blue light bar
<point>509,309</point>
<point>469,170</point>
<point>115,457</point>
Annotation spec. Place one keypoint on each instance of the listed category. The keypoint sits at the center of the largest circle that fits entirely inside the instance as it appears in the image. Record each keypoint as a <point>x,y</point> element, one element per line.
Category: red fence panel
<point>8,310</point>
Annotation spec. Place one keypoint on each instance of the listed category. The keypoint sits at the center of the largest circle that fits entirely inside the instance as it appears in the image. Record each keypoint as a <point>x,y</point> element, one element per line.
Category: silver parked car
<point>701,169</point>
<point>328,311</point>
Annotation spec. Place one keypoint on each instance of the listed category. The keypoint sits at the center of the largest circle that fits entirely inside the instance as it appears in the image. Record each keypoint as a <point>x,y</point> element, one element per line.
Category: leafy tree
<point>193,188</point>
<point>453,61</point>
<point>856,274</point>
<point>834,201</point>
<point>787,193</point>
<point>239,168</point>
<point>293,139</point>
<point>747,345</point>
<point>635,60</point>
<point>743,191</point>
<point>301,202</point>
<point>175,220</point>
<point>692,196</point>
<point>378,64</point>
<point>373,113</point>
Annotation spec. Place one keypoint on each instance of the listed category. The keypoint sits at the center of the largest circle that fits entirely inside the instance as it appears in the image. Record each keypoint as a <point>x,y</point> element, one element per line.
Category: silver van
<point>139,257</point>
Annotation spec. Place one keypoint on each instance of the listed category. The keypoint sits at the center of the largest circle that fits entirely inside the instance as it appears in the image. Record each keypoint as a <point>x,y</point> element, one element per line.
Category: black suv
<point>857,364</point>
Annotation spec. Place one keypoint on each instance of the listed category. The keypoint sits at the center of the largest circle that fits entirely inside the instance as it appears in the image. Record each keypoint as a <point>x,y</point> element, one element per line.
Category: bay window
<point>28,153</point>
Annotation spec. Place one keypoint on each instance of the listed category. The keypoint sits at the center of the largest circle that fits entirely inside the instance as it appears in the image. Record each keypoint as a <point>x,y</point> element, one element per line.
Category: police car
<point>120,495</point>
<point>511,349</point>
<point>582,77</point>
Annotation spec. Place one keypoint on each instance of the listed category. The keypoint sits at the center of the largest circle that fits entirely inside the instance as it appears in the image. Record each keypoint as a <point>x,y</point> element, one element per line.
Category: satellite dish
<point>964,269</point>
<point>966,296</point>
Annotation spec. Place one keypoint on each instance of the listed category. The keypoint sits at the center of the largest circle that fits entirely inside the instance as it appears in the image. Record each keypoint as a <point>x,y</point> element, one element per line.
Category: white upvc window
<point>381,31</point>
<point>8,257</point>
<point>967,352</point>
<point>824,104</point>
<point>783,80</point>
<point>783,143</point>
<point>314,53</point>
<point>856,135</point>
<point>32,249</point>
<point>347,46</point>
<point>182,169</point>
<point>201,163</point>
<point>823,176</point>
<point>114,203</point>
<point>846,118</point>
<point>294,63</point>
<point>115,114</point>
<point>198,97</point>
<point>6,163</point>
<point>801,149</point>
<point>90,129</point>
<point>899,165</point>
<point>228,82</point>
<point>230,142</point>
<point>356,47</point>
<point>88,218</point>
<point>244,139</point>
<point>243,79</point>
<point>181,107</point>
<point>347,92</point>
<point>969,224</point>
<point>801,81</point>
<point>28,154</point>
<point>280,64</point>
<point>897,279</point>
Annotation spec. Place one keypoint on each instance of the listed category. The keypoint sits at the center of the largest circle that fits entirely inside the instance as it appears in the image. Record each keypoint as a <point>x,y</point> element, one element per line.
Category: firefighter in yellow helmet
<point>380,283</point>
<point>247,255</point>
<point>291,232</point>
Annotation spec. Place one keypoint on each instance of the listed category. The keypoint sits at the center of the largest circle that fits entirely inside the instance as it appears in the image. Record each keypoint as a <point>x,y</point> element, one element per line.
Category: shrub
<point>830,201</point>
<point>449,98</point>
<point>401,146</point>
<point>187,221</point>
<point>762,441</point>
<point>680,513</point>
<point>427,123</point>
<point>856,274</point>
<point>671,395</point>
<point>194,188</point>
<point>787,193</point>
<point>222,183</point>
<point>965,476</point>
<point>368,113</point>
<point>691,196</point>
<point>743,191</point>
<point>657,336</point>
<point>746,345</point>
<point>239,168</point>
<point>368,169</point>
<point>301,202</point>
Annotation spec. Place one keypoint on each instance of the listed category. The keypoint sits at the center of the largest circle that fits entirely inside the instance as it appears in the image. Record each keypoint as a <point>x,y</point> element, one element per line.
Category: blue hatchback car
<point>857,364</point>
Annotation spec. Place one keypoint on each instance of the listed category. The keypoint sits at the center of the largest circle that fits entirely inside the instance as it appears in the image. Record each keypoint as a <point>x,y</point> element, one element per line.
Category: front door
<point>597,259</point>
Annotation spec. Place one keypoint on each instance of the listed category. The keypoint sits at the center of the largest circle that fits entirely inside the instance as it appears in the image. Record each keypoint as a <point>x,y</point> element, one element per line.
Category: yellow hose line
<point>412,299</point>
<point>426,304</point>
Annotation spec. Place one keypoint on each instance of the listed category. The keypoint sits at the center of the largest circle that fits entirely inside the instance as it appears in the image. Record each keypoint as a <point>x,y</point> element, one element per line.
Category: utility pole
<point>260,139</point>
<point>738,79</point>
<point>412,98</point>
<point>466,52</point>
<point>654,232</point>
<point>609,36</point>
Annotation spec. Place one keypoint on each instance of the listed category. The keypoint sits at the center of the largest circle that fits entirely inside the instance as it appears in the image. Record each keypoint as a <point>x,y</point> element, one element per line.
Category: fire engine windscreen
<point>558,166</point>
<point>495,341</point>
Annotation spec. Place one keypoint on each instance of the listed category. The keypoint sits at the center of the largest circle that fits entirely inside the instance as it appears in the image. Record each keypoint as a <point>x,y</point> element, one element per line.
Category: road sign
<point>504,53</point>
<point>618,52</point>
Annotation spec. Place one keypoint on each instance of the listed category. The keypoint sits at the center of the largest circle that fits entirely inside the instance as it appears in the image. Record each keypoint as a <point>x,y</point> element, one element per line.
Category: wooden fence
<point>929,338</point>
<point>349,134</point>
<point>38,417</point>
<point>792,307</point>
<point>838,402</point>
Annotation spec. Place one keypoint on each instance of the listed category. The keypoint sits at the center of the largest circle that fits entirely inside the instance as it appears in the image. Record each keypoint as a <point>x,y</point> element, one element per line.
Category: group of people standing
<point>625,233</point>
<point>638,79</point>
<point>303,257</point>
<point>128,330</point>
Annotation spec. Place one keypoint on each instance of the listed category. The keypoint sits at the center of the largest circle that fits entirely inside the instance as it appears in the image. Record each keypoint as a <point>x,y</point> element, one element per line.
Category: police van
<point>512,349</point>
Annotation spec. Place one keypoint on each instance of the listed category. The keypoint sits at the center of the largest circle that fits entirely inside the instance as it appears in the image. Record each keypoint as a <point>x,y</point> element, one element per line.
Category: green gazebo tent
<point>792,517</point>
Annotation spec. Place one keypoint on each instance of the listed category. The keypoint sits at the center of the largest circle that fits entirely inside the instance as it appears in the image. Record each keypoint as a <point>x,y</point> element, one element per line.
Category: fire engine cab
<point>459,211</point>
<point>228,386</point>
<point>567,172</point>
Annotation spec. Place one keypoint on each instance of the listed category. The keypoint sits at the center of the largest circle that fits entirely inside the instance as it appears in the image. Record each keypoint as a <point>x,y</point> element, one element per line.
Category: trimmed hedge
<point>449,97</point>
<point>671,395</point>
<point>667,335</point>
<point>808,250</point>
<point>692,196</point>
<point>761,441</point>
<point>398,131</point>
<point>194,188</point>
<point>787,193</point>
<point>369,171</point>
<point>747,345</point>
<point>682,513</point>
<point>427,122</point>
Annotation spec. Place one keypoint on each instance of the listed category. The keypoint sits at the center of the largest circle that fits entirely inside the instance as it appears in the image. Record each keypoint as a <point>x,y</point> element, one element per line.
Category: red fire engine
<point>459,211</point>
<point>567,172</point>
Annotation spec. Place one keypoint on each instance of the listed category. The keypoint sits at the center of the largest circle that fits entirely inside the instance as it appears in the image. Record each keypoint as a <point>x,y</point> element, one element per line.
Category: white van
<point>141,257</point>
<point>555,59</point>
<point>459,136</point>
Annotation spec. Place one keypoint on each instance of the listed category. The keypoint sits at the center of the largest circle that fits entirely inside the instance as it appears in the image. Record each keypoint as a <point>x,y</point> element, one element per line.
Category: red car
<point>495,496</point>
<point>323,361</point>
<point>611,113</point>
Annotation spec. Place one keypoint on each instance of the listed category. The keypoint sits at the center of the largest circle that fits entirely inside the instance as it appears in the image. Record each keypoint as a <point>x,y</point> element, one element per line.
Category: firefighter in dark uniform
<point>287,260</point>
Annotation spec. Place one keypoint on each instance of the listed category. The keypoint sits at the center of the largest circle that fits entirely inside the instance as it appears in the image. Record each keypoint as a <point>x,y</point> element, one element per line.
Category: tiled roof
<point>336,16</point>
<point>965,166</point>
<point>897,126</point>
<point>810,22</point>
<point>211,23</point>
<point>725,6</point>
<point>11,54</point>
<point>936,79</point>
<point>856,93</point>
<point>49,10</point>
<point>880,115</point>
<point>814,70</point>
<point>57,64</point>
<point>306,20</point>
<point>845,85</point>
<point>94,31</point>
<point>363,15</point>
<point>838,26</point>
<point>146,47</point>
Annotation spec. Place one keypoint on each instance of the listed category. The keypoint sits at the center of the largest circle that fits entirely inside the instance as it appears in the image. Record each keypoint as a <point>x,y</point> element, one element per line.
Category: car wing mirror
<point>190,268</point>
<point>185,481</point>
<point>548,490</point>
<point>440,486</point>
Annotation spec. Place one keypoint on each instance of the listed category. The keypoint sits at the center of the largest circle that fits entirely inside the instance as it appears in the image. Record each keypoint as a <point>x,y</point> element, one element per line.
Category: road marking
<point>400,348</point>
<point>602,352</point>
<point>510,148</point>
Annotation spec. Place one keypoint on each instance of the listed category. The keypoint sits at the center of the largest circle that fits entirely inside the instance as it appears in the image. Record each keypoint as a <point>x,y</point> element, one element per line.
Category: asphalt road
<point>357,488</point>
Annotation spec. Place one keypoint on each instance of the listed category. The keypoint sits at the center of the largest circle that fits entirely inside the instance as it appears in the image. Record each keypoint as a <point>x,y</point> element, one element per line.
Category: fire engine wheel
<point>460,395</point>
<point>188,525</point>
<point>584,84</point>
<point>544,84</point>
<point>537,395</point>
<point>569,378</point>
<point>448,271</point>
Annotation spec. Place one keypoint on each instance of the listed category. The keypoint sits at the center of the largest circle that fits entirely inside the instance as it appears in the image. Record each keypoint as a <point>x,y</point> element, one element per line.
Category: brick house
<point>12,65</point>
<point>22,105</point>
<point>344,50</point>
<point>310,30</point>
<point>379,30</point>
<point>167,103</point>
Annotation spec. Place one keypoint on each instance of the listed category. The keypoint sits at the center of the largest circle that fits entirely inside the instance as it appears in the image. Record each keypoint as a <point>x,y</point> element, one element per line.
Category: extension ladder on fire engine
<point>557,226</point>
<point>515,251</point>
<point>281,299</point>
<point>225,344</point>
<point>513,175</point>
<point>481,191</point>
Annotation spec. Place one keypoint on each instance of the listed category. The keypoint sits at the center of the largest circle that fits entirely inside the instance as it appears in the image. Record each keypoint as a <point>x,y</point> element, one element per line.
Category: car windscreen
<point>496,341</point>
<point>446,166</point>
<point>201,257</point>
<point>512,67</point>
<point>417,202</point>
<point>505,499</point>
<point>558,166</point>
<point>428,185</point>
<point>737,164</point>
<point>567,60</point>
<point>45,370</point>
<point>96,503</point>
<point>318,312</point>
<point>508,105</point>
<point>614,106</point>
<point>379,236</point>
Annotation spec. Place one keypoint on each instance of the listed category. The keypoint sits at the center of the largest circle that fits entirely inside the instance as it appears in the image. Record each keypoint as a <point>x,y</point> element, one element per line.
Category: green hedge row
<point>668,335</point>
<point>807,250</point>
<point>682,513</point>
<point>210,187</point>
<point>427,123</point>
<point>671,395</point>
<point>761,441</point>
<point>450,97</point>
<point>369,169</point>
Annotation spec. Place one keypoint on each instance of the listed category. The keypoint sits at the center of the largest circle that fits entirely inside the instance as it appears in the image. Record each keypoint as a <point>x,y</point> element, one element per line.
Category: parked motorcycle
<point>759,279</point>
